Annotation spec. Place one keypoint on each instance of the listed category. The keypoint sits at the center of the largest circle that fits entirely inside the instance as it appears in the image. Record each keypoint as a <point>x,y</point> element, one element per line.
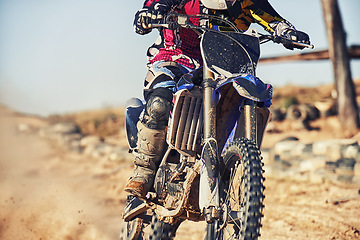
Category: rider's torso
<point>183,45</point>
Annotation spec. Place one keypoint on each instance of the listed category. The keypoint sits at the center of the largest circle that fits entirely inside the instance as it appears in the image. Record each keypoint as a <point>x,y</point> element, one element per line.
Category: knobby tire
<point>242,192</point>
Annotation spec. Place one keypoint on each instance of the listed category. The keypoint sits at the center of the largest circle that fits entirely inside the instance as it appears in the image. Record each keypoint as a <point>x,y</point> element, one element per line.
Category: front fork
<point>209,171</point>
<point>250,120</point>
<point>209,199</point>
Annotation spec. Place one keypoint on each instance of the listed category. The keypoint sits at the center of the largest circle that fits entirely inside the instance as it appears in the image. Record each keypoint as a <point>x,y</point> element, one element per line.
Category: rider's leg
<point>151,141</point>
<point>151,129</point>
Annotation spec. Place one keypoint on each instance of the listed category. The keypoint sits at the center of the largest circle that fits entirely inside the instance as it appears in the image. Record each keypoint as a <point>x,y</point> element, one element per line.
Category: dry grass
<point>101,122</point>
<point>108,121</point>
<point>284,96</point>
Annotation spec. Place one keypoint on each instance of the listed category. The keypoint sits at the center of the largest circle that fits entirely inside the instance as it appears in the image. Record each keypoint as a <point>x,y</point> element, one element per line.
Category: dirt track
<point>47,193</point>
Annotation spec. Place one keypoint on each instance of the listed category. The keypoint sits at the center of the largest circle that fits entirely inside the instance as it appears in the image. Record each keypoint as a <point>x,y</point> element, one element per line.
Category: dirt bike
<point>211,170</point>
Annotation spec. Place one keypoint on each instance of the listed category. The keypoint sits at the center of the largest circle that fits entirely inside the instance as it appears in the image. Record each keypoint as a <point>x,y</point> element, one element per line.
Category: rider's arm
<point>263,13</point>
<point>259,11</point>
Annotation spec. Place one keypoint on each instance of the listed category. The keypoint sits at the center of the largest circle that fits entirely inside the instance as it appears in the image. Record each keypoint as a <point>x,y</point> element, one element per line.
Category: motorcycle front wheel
<point>241,192</point>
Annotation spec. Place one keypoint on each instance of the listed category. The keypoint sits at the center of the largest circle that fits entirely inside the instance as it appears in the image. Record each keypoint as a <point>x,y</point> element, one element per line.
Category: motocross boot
<point>149,152</point>
<point>150,143</point>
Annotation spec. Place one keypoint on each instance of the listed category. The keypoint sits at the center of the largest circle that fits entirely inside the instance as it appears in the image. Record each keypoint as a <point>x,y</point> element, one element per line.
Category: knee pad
<point>157,109</point>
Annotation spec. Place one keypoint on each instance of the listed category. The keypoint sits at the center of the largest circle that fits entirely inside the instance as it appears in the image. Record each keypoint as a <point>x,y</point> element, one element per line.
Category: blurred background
<point>64,56</point>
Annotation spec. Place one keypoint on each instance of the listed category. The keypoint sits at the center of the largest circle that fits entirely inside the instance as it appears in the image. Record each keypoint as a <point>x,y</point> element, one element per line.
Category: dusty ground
<point>47,193</point>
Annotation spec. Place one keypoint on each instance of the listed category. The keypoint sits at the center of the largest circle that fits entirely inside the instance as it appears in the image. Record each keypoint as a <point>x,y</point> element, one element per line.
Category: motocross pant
<point>160,84</point>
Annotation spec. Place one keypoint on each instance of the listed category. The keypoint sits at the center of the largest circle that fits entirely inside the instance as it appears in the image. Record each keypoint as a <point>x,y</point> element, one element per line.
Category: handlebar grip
<point>159,25</point>
<point>311,46</point>
<point>286,41</point>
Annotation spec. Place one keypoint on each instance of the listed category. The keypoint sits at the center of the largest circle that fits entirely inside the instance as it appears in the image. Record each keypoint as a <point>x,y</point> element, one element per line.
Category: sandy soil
<point>47,193</point>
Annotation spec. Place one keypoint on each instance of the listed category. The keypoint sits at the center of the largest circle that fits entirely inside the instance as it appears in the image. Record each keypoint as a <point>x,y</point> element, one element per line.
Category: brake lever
<point>174,21</point>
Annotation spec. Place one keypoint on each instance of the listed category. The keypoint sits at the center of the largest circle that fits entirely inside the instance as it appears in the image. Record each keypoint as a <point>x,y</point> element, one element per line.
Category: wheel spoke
<point>241,154</point>
<point>232,194</point>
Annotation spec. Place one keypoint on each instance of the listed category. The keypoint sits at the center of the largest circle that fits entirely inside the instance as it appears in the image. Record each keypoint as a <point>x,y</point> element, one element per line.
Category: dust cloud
<point>48,193</point>
<point>45,196</point>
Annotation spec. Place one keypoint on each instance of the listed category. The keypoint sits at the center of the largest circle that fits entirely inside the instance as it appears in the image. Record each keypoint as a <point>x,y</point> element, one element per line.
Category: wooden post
<point>346,95</point>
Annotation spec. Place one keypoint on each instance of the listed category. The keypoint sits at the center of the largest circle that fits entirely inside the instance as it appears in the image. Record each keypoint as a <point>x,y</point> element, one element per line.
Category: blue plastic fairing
<point>132,114</point>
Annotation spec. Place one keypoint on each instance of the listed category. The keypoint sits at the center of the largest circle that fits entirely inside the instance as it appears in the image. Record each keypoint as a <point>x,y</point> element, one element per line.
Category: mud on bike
<point>211,170</point>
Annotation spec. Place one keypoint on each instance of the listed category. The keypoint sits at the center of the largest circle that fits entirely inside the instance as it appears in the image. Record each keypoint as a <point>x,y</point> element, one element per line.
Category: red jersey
<point>183,45</point>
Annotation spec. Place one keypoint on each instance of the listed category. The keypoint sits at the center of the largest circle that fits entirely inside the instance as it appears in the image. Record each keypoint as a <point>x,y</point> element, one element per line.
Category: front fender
<point>248,86</point>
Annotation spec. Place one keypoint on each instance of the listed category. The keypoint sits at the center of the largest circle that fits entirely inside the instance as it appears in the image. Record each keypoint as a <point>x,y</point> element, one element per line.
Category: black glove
<point>287,30</point>
<point>143,20</point>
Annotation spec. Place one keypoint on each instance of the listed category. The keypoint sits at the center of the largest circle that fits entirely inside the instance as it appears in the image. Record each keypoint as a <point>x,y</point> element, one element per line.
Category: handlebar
<point>175,20</point>
<point>284,41</point>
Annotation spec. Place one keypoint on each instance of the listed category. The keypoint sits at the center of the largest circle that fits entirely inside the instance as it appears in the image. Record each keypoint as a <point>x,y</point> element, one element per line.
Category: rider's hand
<point>287,30</point>
<point>143,20</point>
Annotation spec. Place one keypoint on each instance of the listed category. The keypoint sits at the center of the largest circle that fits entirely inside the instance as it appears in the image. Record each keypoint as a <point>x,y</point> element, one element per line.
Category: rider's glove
<point>143,20</point>
<point>287,30</point>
